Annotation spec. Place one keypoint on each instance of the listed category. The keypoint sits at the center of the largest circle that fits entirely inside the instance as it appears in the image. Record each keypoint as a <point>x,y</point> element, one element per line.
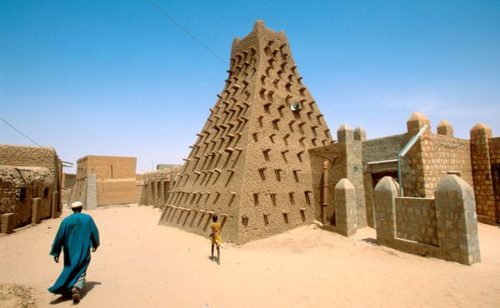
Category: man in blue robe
<point>76,236</point>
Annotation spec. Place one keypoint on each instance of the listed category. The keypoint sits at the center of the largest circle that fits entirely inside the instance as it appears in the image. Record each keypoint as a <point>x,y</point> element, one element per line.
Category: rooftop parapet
<point>480,131</point>
<point>345,134</point>
<point>359,134</point>
<point>445,128</point>
<point>416,121</point>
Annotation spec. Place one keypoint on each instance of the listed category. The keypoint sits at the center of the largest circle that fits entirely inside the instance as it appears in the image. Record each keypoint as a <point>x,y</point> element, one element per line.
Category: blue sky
<point>120,78</point>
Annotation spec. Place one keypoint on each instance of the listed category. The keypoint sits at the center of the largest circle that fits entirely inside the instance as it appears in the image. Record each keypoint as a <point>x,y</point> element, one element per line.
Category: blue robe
<point>77,234</point>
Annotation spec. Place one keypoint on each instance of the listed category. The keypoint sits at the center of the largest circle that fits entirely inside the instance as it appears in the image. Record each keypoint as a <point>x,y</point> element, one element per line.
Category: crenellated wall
<point>444,227</point>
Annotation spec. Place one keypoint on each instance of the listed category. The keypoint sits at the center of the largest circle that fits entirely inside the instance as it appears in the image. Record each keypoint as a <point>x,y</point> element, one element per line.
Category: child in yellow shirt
<point>215,236</point>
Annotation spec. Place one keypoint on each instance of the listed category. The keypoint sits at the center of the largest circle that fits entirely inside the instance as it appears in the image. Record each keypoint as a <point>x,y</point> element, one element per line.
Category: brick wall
<point>442,155</point>
<point>444,227</point>
<point>494,147</point>
<point>482,175</point>
<point>416,220</point>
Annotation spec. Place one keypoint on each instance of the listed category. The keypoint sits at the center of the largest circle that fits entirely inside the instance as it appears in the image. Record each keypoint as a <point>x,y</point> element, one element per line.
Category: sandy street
<point>141,264</point>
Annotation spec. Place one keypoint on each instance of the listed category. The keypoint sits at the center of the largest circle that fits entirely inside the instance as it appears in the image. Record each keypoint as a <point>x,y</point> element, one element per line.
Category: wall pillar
<point>481,173</point>
<point>345,207</point>
<point>7,225</point>
<point>36,207</point>
<point>457,221</point>
<point>91,195</point>
<point>385,195</point>
<point>54,205</point>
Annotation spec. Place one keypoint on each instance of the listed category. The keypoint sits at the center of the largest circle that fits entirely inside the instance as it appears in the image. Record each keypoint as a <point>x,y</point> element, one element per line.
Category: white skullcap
<point>76,204</point>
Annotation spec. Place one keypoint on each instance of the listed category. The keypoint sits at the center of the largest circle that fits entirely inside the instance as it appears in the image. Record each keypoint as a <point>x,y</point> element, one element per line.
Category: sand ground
<point>141,264</point>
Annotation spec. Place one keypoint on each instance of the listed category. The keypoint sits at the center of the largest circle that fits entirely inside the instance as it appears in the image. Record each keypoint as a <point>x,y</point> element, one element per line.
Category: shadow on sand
<point>86,288</point>
<point>371,241</point>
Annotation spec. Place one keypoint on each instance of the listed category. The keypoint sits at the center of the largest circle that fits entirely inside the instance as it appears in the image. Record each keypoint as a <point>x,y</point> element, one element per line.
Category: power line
<point>156,6</point>
<point>17,130</point>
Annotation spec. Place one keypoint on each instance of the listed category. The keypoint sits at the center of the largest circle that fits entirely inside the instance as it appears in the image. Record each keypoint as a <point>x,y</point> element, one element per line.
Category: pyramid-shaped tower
<point>250,164</point>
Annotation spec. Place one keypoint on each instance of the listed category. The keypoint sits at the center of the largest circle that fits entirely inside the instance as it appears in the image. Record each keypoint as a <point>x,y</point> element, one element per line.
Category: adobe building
<point>30,185</point>
<point>250,163</point>
<point>105,180</point>
<point>156,185</point>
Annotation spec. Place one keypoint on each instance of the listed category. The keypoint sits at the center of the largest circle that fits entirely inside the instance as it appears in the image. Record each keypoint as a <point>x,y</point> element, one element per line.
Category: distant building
<point>104,180</point>
<point>157,184</point>
<point>30,185</point>
<point>69,180</point>
<point>167,166</point>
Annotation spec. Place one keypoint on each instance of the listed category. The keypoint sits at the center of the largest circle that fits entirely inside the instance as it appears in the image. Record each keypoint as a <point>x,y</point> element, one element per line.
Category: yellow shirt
<point>216,229</point>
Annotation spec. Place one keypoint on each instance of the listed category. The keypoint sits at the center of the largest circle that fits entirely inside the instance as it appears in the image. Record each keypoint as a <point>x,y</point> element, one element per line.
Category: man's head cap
<point>76,204</point>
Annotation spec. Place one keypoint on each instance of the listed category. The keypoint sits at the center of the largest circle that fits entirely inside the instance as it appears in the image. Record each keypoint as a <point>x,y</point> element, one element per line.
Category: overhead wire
<point>185,30</point>
<point>20,132</point>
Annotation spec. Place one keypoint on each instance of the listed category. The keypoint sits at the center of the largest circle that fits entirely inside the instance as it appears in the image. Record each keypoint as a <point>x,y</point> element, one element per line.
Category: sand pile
<point>16,296</point>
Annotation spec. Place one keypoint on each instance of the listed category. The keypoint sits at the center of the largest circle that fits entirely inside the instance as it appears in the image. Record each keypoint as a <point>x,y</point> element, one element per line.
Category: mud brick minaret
<point>250,162</point>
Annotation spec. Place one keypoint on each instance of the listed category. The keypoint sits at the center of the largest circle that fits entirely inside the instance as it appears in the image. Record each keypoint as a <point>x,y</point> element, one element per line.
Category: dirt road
<point>141,264</point>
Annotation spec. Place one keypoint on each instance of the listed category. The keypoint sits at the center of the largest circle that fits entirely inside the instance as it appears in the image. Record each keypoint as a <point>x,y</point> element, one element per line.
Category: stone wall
<point>444,155</point>
<point>454,219</point>
<point>345,208</point>
<point>494,147</point>
<point>416,220</point>
<point>431,158</point>
<point>482,174</point>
